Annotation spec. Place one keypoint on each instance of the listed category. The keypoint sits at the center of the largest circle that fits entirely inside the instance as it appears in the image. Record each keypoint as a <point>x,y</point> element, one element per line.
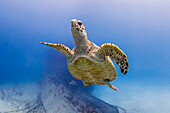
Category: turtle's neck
<point>81,44</point>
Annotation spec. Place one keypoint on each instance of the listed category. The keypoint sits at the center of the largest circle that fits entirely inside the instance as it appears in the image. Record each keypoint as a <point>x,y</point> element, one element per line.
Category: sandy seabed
<point>18,97</point>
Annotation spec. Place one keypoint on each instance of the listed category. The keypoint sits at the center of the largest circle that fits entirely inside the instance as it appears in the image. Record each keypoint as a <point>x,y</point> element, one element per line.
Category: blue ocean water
<point>140,28</point>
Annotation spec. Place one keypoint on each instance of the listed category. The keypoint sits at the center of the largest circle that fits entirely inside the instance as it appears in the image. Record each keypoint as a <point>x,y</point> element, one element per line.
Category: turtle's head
<point>78,29</point>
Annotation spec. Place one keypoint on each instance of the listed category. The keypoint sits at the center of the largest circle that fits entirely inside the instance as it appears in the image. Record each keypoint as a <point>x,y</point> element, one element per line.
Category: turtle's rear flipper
<point>113,87</point>
<point>87,84</point>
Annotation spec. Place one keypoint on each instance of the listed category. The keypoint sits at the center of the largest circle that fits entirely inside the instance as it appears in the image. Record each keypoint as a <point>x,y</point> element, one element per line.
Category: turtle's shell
<point>91,71</point>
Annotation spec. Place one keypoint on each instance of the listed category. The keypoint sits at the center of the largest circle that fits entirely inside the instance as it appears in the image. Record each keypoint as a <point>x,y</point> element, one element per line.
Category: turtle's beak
<point>73,23</point>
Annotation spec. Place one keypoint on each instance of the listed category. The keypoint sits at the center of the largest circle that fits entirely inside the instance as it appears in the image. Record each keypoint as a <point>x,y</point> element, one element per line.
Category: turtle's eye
<point>80,23</point>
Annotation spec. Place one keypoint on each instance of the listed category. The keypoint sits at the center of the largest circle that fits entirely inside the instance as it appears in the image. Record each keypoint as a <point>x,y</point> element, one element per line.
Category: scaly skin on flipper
<point>62,48</point>
<point>115,54</point>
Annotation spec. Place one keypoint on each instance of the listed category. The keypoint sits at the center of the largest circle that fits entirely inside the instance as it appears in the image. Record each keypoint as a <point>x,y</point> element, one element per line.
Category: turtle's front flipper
<point>62,48</point>
<point>115,54</point>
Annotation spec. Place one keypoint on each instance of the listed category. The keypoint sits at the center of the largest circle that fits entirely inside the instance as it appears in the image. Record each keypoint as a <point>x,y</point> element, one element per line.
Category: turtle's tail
<point>113,87</point>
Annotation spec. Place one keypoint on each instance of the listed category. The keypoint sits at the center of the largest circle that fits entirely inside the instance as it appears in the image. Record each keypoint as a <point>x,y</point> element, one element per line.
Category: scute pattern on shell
<point>92,72</point>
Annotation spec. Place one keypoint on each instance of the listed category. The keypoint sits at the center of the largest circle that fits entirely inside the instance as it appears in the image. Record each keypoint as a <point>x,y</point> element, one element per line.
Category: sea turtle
<point>89,62</point>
